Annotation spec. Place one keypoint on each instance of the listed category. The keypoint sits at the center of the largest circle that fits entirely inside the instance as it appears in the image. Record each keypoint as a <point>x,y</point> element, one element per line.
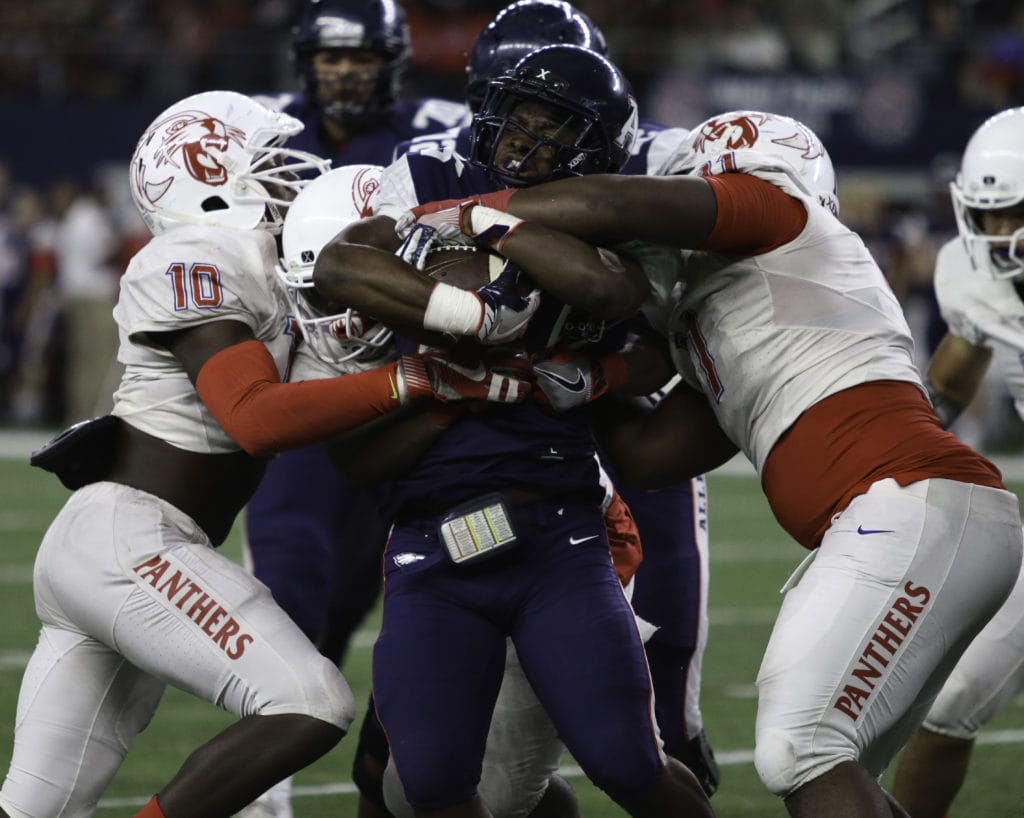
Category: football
<point>464,267</point>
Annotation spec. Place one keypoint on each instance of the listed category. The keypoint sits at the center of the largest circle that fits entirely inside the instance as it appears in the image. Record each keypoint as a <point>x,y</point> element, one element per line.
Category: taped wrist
<point>489,226</point>
<point>452,310</point>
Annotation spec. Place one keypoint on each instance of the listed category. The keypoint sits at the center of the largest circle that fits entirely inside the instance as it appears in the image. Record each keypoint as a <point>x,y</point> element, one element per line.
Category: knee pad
<point>784,769</point>
<point>320,692</point>
<point>339,704</point>
<point>775,761</point>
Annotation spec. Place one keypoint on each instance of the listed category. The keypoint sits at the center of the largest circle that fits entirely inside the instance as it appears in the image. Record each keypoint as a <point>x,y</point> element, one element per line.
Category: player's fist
<point>506,313</point>
<point>568,382</point>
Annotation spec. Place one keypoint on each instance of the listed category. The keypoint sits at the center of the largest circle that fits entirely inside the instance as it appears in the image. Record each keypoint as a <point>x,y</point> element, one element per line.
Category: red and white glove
<point>498,200</point>
<point>567,382</point>
<point>486,226</point>
<point>433,376</point>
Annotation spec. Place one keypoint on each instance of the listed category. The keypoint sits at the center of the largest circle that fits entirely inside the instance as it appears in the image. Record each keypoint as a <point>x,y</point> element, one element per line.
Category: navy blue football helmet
<point>378,26</point>
<point>563,107</point>
<point>518,29</point>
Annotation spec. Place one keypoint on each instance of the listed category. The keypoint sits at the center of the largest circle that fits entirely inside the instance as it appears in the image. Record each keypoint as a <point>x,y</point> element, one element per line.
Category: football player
<point>132,594</point>
<point>516,776</point>
<point>564,110</point>
<point>979,283</point>
<point>794,351</point>
<point>670,588</point>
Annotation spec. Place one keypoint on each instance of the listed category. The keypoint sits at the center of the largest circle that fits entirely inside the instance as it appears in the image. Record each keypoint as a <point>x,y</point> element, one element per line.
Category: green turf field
<point>750,560</point>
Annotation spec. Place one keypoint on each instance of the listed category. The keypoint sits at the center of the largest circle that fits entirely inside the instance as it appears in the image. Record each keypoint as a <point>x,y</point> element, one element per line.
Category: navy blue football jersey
<point>525,445</point>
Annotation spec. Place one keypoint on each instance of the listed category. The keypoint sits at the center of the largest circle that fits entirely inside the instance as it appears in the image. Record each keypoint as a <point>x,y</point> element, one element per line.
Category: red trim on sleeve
<point>754,216</point>
<point>241,388</point>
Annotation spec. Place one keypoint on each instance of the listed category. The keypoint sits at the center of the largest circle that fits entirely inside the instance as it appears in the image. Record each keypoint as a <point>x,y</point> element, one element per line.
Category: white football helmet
<point>216,158</point>
<point>328,204</point>
<point>771,135</point>
<point>991,177</point>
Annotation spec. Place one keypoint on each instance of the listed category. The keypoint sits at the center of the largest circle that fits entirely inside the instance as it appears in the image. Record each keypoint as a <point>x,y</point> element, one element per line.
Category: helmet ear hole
<point>213,203</point>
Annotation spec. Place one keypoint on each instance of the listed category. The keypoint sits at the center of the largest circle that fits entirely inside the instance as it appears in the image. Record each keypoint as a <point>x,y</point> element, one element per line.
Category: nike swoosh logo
<point>577,385</point>
<point>862,530</point>
<point>394,389</point>
<point>578,540</point>
<point>478,373</point>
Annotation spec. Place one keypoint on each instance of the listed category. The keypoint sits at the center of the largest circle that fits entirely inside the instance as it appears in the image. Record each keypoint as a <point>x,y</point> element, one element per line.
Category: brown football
<point>466,268</point>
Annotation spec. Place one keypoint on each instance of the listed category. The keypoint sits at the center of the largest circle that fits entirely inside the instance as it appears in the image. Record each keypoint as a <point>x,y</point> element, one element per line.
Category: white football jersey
<point>661,145</point>
<point>985,312</point>
<point>768,336</point>
<point>188,276</point>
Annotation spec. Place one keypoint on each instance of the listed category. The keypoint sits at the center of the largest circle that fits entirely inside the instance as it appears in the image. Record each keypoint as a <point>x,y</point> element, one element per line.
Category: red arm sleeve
<point>754,216</point>
<point>241,388</point>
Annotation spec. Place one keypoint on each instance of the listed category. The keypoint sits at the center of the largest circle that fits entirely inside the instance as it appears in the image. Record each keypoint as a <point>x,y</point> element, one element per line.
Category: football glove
<point>567,382</point>
<point>431,375</point>
<point>506,313</point>
<point>498,200</point>
<point>486,226</point>
<point>416,245</point>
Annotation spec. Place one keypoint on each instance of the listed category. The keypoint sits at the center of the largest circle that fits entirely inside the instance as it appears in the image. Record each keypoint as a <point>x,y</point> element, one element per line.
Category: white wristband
<point>482,219</point>
<point>452,310</point>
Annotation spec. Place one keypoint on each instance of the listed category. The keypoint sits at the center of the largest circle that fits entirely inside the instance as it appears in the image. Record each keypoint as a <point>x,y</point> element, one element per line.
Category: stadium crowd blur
<point>893,87</point>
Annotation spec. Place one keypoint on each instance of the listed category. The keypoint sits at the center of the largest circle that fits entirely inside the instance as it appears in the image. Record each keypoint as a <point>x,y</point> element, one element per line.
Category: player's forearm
<point>680,439</point>
<point>389,447</point>
<point>606,209</point>
<point>954,376</point>
<point>241,388</point>
<point>576,272</point>
<point>372,281</point>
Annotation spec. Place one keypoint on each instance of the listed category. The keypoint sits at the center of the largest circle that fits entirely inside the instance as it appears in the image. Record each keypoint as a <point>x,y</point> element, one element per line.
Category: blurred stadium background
<point>893,87</point>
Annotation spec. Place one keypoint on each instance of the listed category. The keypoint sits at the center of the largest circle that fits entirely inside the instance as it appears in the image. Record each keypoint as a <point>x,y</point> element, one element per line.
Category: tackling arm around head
<point>608,209</point>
